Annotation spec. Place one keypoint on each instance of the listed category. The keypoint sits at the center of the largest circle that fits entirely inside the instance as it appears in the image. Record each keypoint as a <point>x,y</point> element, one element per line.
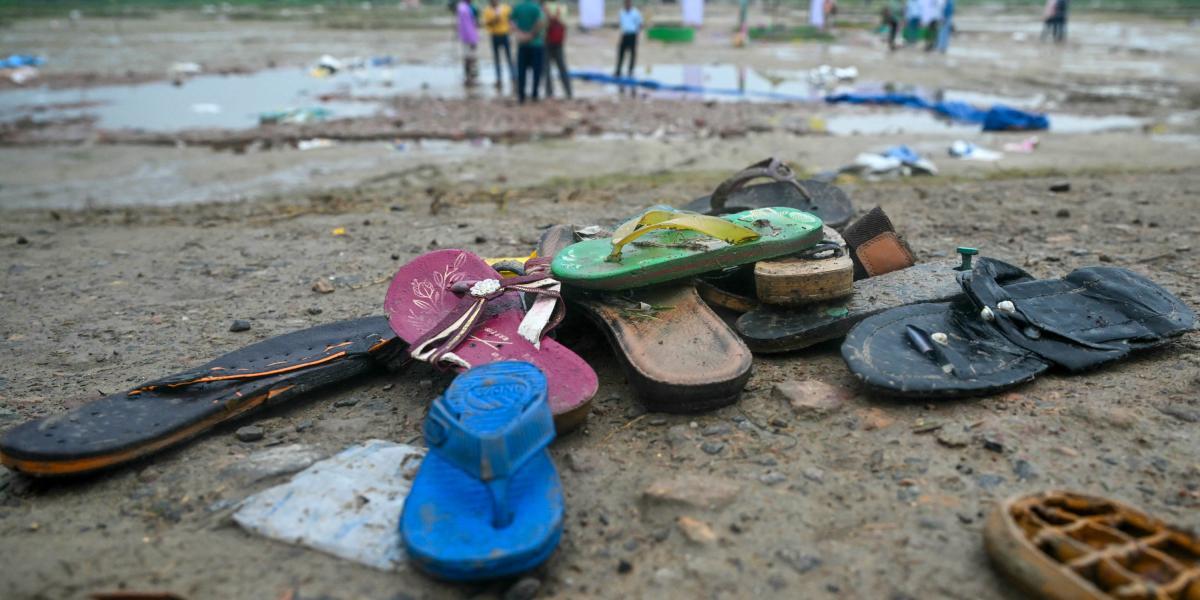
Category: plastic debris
<point>15,61</point>
<point>967,151</point>
<point>1025,146</point>
<point>185,69</point>
<point>295,115</point>
<point>900,160</point>
<point>347,506</point>
<point>826,76</point>
<point>315,143</point>
<point>20,75</point>
<point>996,118</point>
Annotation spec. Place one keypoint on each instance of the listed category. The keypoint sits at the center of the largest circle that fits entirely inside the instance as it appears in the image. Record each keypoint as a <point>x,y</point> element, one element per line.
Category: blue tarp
<point>996,118</point>
<point>21,60</point>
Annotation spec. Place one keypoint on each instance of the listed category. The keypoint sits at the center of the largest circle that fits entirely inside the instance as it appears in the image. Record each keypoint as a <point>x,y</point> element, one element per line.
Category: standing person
<point>556,37</point>
<point>931,14</point>
<point>893,11</point>
<point>631,25</point>
<point>468,34</point>
<point>1055,17</point>
<point>943,39</point>
<point>912,21</point>
<point>816,13</point>
<point>495,20</point>
<point>530,22</point>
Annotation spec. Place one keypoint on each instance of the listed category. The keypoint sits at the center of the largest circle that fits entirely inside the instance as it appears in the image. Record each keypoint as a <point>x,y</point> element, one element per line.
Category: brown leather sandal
<point>1067,546</point>
<point>677,354</point>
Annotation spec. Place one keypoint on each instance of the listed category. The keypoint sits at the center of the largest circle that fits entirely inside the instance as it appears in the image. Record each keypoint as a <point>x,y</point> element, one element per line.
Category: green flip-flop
<point>667,245</point>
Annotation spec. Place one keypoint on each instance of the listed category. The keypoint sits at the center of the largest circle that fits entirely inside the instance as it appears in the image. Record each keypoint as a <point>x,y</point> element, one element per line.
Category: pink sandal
<point>456,312</point>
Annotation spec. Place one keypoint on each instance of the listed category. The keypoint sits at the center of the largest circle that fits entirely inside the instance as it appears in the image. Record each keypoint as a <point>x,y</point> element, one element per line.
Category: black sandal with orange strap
<point>151,417</point>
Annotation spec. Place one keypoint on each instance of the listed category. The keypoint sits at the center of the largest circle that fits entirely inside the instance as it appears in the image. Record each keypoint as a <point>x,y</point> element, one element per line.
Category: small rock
<point>624,567</point>
<point>577,464</point>
<point>718,429</point>
<point>772,478</point>
<point>873,419</point>
<point>712,447</point>
<point>800,562</point>
<point>524,589</point>
<point>1024,470</point>
<point>314,310</point>
<point>322,287</point>
<point>657,421</point>
<point>1060,187</point>
<point>274,461</point>
<point>345,402</point>
<point>304,425</point>
<point>249,433</point>
<point>987,481</point>
<point>1063,213</point>
<point>1187,415</point>
<point>814,474</point>
<point>954,437</point>
<point>696,530</point>
<point>240,325</point>
<point>22,239</point>
<point>993,444</point>
<point>811,399</point>
<point>699,491</point>
<point>1104,258</point>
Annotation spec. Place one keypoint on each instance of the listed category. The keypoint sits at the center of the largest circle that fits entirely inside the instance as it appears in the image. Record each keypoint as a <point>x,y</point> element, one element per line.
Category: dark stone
<point>22,239</point>
<point>1062,186</point>
<point>249,433</point>
<point>524,589</point>
<point>992,444</point>
<point>240,325</point>
<point>718,429</point>
<point>624,567</point>
<point>345,402</point>
<point>800,562</point>
<point>712,447</point>
<point>987,481</point>
<point>315,310</point>
<point>1024,470</point>
<point>1062,213</point>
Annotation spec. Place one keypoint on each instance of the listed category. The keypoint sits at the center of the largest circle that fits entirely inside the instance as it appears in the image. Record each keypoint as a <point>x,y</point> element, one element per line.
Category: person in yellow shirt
<point>496,21</point>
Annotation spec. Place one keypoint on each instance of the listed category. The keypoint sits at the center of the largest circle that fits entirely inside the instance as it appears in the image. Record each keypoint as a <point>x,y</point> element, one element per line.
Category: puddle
<point>235,101</point>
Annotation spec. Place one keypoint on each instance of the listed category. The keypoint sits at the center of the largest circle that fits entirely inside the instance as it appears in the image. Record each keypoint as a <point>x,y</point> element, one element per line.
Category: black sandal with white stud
<point>998,336</point>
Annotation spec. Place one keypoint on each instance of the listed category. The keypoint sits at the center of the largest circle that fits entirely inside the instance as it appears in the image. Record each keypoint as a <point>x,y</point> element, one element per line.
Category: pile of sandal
<point>685,297</point>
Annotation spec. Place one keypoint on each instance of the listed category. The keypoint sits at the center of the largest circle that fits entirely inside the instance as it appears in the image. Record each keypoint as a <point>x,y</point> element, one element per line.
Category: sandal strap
<point>656,220</point>
<point>437,345</point>
<point>1020,323</point>
<point>492,459</point>
<point>772,168</point>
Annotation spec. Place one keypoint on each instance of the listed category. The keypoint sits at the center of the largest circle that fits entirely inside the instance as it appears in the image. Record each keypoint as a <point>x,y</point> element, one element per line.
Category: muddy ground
<point>123,262</point>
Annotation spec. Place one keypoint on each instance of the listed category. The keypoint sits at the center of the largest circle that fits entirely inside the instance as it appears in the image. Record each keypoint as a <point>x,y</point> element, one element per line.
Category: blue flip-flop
<point>486,502</point>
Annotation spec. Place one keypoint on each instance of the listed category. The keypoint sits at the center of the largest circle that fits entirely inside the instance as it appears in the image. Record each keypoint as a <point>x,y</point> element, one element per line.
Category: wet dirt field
<point>124,260</point>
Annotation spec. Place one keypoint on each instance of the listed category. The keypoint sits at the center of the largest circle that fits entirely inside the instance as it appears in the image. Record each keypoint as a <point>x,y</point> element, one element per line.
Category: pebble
<point>814,474</point>
<point>993,445</point>
<point>1024,470</point>
<point>699,491</point>
<point>718,429</point>
<point>987,481</point>
<point>1062,186</point>
<point>696,531</point>
<point>322,287</point>
<point>22,240</point>
<point>240,325</point>
<point>772,478</point>
<point>314,310</point>
<point>249,433</point>
<point>345,402</point>
<point>524,589</point>
<point>304,425</point>
<point>712,447</point>
<point>954,436</point>
<point>624,567</point>
<point>798,561</point>
<point>657,421</point>
<point>810,399</point>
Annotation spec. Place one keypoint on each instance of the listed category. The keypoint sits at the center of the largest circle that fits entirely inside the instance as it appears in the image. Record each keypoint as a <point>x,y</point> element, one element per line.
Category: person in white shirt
<point>631,25</point>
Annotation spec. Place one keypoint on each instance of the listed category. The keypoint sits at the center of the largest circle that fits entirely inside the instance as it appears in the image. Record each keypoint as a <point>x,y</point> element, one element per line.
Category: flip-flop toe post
<point>456,313</point>
<point>486,502</point>
<point>667,245</point>
<point>826,201</point>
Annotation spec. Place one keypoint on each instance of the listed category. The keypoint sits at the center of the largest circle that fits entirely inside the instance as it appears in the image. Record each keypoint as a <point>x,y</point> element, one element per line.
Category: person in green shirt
<point>530,23</point>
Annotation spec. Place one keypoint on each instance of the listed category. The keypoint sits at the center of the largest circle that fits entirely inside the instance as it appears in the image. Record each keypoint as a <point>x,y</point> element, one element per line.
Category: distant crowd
<point>539,28</point>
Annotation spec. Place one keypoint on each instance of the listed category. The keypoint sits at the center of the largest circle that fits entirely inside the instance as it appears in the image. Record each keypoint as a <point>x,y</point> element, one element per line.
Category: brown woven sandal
<point>1067,546</point>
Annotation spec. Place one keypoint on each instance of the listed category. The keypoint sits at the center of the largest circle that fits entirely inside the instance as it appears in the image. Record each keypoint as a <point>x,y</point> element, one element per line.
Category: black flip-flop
<point>769,329</point>
<point>826,201</point>
<point>997,336</point>
<point>121,427</point>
